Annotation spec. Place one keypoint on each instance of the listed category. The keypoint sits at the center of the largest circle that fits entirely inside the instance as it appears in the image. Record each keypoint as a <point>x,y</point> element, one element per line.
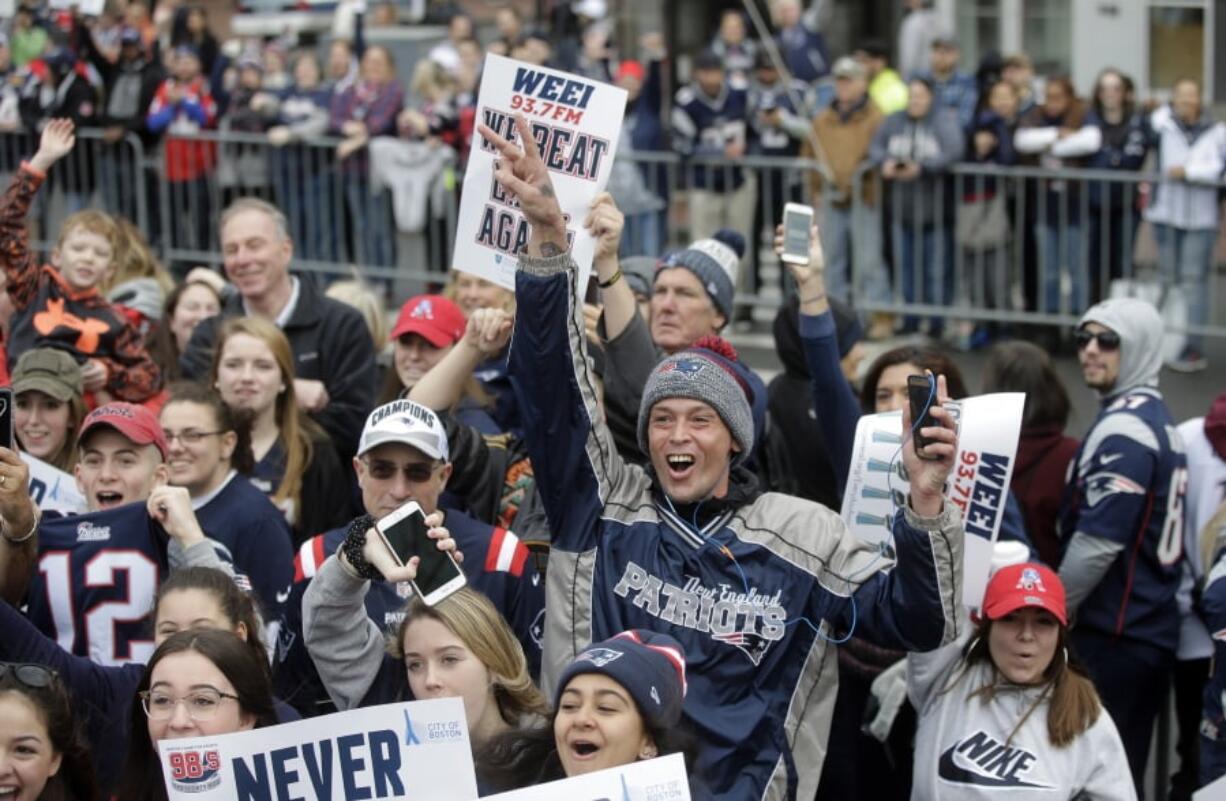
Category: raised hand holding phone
<point>928,473</point>
<point>399,545</point>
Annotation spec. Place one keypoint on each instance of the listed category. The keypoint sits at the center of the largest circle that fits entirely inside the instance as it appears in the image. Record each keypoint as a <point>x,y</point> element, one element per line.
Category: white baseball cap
<point>408,423</point>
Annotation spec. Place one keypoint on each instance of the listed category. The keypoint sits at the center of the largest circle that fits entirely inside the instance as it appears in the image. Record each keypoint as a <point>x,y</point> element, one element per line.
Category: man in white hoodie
<point>1191,150</point>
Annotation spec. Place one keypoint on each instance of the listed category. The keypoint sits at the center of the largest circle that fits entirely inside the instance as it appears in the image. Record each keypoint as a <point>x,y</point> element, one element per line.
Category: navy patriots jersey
<point>1127,485</point>
<point>703,126</point>
<point>256,537</point>
<point>97,575</point>
<point>496,563</point>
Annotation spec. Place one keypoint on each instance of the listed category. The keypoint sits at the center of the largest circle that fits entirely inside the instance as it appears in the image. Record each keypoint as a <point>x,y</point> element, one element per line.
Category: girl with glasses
<point>191,598</point>
<point>296,464</point>
<point>197,683</point>
<point>42,756</point>
<point>208,452</point>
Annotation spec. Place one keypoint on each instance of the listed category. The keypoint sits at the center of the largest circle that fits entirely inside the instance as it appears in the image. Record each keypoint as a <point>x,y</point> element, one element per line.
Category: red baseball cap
<point>434,317</point>
<point>632,69</point>
<point>135,422</point>
<point>1027,584</point>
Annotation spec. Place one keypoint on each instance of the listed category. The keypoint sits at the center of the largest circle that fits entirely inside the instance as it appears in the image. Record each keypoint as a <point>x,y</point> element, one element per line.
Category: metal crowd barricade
<point>176,191</point>
<point>102,171</point>
<point>1021,245</point>
<point>670,201</point>
<point>337,221</point>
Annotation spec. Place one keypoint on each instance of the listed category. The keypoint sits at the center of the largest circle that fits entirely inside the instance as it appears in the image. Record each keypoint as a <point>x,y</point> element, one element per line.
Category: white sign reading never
<point>411,750</point>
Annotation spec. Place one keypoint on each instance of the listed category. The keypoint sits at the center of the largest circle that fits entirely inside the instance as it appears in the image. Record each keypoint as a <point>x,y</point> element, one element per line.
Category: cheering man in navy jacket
<point>750,584</point>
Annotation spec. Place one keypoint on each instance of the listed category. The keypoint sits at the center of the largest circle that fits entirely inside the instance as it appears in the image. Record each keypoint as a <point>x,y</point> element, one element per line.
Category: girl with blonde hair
<point>296,464</point>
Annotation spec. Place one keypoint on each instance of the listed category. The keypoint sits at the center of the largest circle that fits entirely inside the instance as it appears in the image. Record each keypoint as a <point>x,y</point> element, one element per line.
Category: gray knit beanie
<point>704,372</point>
<point>715,263</point>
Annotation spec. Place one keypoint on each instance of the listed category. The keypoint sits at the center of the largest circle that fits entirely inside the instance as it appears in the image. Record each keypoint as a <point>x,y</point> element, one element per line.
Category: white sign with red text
<point>418,749</point>
<point>576,123</point>
<point>660,779</point>
<point>877,485</point>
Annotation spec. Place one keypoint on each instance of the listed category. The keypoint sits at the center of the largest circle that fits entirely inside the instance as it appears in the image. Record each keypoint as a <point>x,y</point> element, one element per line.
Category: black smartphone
<point>404,532</point>
<point>592,295</point>
<point>6,418</point>
<point>922,393</point>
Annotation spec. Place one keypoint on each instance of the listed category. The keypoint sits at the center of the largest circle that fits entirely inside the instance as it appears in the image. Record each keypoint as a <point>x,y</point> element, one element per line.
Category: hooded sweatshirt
<point>1122,559</point>
<point>968,748</point>
<point>1200,148</point>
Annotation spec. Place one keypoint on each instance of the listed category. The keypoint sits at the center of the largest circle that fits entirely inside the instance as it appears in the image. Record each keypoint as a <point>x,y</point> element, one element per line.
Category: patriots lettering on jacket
<point>983,761</point>
<point>749,621</point>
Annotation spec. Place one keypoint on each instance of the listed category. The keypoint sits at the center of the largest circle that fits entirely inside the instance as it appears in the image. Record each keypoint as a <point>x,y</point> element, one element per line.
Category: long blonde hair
<point>473,618</point>
<point>298,431</point>
<point>134,259</point>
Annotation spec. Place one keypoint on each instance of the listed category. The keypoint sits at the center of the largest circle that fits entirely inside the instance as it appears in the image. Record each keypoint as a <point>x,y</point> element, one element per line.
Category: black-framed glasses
<point>1107,340</point>
<point>189,437</point>
<point>201,704</point>
<point>30,674</point>
<point>416,473</point>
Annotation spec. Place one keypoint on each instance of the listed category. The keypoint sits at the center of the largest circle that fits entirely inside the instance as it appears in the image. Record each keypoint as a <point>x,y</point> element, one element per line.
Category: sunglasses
<point>416,473</point>
<point>36,677</point>
<point>1107,340</point>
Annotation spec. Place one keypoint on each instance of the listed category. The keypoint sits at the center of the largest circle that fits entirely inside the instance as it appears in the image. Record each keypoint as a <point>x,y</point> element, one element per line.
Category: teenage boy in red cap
<point>97,573</point>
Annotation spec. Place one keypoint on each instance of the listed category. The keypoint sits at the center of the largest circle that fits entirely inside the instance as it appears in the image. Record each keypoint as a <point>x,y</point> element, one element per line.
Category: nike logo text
<point>983,761</point>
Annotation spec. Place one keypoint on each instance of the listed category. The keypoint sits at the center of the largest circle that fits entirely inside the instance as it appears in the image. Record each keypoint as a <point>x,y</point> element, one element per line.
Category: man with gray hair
<point>333,354</point>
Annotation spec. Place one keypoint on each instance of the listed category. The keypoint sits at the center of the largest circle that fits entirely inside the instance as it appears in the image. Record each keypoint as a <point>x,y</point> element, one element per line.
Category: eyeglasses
<point>201,704</point>
<point>34,676</point>
<point>1107,340</point>
<point>415,473</point>
<point>189,437</point>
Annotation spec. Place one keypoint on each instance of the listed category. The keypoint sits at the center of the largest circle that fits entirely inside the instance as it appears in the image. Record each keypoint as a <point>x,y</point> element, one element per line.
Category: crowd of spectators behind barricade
<point>886,131</point>
<point>243,429</point>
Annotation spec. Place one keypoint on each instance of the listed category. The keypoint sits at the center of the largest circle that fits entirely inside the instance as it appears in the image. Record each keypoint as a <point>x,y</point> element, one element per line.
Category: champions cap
<point>408,423</point>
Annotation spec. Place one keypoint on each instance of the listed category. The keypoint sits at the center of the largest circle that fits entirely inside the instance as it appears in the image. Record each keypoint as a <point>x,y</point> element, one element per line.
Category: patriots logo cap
<point>433,317</point>
<point>1027,584</point>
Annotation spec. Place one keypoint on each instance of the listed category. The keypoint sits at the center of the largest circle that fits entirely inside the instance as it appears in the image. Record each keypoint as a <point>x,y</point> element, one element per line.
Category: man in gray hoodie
<point>1121,522</point>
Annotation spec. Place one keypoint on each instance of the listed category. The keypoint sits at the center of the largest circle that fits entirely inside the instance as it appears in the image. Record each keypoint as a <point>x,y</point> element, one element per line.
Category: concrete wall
<point>1109,33</point>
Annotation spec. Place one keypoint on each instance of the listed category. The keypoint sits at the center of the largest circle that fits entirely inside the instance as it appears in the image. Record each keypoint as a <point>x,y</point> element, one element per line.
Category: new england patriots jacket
<point>746,592</point>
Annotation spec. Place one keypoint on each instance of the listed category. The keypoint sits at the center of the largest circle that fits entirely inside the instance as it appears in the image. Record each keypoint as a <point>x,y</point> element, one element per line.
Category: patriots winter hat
<point>706,372</point>
<point>650,666</point>
<point>716,262</point>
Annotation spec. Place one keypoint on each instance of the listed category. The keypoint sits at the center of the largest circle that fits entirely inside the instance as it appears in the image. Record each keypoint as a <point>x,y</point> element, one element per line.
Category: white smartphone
<point>404,534</point>
<point>797,220</point>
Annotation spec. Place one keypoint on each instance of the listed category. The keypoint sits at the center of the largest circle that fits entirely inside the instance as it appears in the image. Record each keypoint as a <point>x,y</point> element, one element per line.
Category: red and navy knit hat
<point>649,665</point>
<point>707,372</point>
